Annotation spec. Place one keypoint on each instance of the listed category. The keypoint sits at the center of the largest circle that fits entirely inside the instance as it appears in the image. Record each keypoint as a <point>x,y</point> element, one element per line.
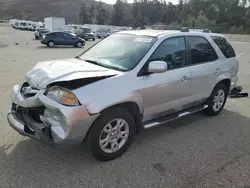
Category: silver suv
<point>128,81</point>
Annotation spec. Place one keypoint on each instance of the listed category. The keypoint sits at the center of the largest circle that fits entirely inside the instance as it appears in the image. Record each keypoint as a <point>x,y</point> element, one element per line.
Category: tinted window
<point>172,51</point>
<point>86,30</point>
<point>201,50</point>
<point>224,46</point>
<point>67,36</point>
<point>56,35</point>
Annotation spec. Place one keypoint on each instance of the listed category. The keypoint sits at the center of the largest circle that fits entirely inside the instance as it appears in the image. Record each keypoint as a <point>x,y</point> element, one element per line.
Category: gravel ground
<point>196,151</point>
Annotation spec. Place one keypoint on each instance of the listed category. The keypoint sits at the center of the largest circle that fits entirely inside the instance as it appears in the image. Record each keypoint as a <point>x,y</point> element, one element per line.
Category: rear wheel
<point>51,44</point>
<point>111,134</point>
<point>217,100</point>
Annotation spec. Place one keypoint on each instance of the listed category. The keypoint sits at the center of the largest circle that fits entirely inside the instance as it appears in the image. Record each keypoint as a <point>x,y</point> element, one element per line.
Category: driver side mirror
<point>157,67</point>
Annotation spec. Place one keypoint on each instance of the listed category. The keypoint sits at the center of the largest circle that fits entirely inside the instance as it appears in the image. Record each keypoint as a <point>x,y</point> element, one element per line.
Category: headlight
<point>62,96</point>
<point>43,36</point>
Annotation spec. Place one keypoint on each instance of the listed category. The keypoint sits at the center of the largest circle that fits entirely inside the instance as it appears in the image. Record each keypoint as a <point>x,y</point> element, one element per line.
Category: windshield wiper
<point>93,62</point>
<point>105,65</point>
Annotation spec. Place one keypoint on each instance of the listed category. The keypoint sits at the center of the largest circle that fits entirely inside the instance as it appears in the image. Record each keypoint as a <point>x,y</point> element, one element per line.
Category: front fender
<point>100,105</point>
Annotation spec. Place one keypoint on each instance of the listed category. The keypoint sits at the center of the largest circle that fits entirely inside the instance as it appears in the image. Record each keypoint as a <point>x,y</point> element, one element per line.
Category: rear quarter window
<point>225,47</point>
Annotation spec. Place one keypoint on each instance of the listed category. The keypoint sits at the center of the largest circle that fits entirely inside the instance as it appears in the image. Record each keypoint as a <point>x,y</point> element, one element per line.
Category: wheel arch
<point>133,108</point>
<point>226,82</point>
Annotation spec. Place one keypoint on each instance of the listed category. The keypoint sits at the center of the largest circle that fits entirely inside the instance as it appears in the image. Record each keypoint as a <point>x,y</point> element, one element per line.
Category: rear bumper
<point>57,124</point>
<point>234,82</point>
<point>89,37</point>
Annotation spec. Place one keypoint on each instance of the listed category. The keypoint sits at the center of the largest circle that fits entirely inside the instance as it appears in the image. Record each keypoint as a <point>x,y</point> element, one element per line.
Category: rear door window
<point>201,51</point>
<point>225,47</point>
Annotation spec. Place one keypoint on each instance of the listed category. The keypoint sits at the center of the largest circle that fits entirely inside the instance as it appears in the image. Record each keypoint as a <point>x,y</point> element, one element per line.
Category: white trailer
<point>29,25</point>
<point>22,25</point>
<point>13,21</point>
<point>39,25</point>
<point>54,23</point>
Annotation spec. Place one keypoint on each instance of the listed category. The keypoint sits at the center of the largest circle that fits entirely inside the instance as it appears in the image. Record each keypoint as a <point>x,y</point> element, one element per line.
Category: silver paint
<point>153,94</point>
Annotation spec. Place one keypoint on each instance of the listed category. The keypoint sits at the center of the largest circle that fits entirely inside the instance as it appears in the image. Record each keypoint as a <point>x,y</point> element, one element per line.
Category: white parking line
<point>240,54</point>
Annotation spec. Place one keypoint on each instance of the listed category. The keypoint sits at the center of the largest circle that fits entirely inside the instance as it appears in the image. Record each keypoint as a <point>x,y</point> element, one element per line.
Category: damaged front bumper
<point>41,118</point>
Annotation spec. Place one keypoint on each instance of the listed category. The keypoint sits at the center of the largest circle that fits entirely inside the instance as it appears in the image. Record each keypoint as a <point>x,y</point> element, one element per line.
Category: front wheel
<point>79,44</point>
<point>217,100</point>
<point>111,134</point>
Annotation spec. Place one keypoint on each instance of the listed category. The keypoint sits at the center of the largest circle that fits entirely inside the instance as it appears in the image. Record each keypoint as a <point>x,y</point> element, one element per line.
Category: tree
<point>93,13</point>
<point>84,16</point>
<point>217,15</point>
<point>102,14</point>
<point>119,12</point>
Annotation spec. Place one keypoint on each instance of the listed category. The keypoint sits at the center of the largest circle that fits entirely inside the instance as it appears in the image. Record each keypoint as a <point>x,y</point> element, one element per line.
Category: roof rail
<point>206,31</point>
<point>184,29</point>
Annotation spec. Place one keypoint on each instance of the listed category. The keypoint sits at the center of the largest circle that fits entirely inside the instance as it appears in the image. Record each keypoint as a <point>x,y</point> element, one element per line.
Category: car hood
<point>47,72</point>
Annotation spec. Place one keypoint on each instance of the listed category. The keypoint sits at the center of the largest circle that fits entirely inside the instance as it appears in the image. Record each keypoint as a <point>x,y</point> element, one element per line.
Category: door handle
<point>185,78</point>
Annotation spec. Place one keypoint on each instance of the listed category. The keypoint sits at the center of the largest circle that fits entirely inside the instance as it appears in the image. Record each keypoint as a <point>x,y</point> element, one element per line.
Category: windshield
<point>119,51</point>
<point>23,24</point>
<point>86,30</point>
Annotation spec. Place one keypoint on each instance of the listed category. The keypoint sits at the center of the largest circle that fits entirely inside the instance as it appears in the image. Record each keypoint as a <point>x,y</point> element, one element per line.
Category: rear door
<point>229,62</point>
<point>204,64</point>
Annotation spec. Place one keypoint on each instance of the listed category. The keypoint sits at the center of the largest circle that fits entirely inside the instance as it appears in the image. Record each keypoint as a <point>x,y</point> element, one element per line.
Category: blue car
<point>62,38</point>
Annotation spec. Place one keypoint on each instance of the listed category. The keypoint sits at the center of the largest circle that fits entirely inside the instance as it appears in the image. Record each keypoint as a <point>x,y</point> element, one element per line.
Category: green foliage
<point>231,16</point>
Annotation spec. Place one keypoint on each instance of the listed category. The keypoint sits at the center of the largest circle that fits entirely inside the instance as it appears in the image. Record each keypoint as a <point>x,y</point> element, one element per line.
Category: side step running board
<point>168,118</point>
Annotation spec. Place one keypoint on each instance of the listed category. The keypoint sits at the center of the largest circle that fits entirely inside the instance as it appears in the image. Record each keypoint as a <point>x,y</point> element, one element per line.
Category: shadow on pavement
<point>30,163</point>
<point>58,47</point>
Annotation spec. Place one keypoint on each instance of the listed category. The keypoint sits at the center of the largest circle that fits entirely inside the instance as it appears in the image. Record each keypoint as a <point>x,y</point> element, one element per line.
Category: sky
<point>130,1</point>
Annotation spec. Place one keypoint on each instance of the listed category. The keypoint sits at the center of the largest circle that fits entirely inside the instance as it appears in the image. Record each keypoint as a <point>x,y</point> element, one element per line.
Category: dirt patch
<point>2,45</point>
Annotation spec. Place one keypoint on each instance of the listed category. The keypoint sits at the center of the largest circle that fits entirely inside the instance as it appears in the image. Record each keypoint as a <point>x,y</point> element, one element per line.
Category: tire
<point>79,44</point>
<point>107,121</point>
<point>36,37</point>
<point>51,44</point>
<point>93,39</point>
<point>213,109</point>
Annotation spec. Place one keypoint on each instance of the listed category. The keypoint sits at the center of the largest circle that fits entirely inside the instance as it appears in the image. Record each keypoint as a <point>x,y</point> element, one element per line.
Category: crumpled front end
<point>35,115</point>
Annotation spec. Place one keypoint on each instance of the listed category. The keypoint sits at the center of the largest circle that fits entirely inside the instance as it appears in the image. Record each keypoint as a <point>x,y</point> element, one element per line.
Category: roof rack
<point>206,31</point>
<point>184,29</point>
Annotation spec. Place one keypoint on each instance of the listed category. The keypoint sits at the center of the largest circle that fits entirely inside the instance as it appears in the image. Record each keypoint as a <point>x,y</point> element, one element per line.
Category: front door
<point>68,39</point>
<point>167,91</point>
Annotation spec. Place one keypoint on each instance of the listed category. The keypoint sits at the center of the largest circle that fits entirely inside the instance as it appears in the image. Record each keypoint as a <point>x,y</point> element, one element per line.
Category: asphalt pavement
<point>193,152</point>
